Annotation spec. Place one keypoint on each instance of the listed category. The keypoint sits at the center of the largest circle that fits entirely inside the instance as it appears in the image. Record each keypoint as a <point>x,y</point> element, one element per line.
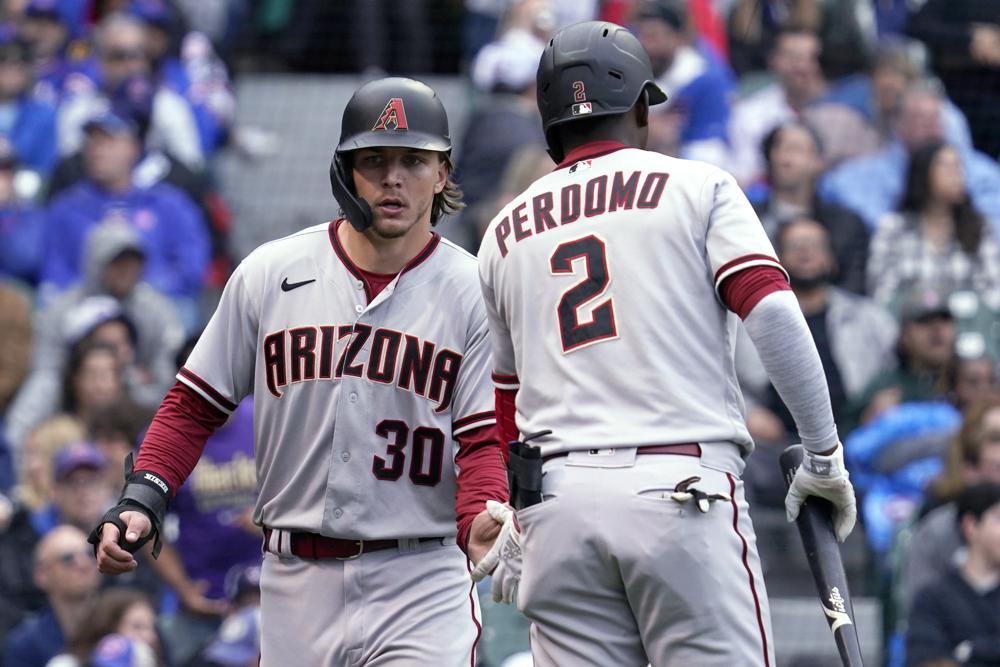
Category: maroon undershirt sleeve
<point>177,436</point>
<point>744,289</point>
<point>482,476</point>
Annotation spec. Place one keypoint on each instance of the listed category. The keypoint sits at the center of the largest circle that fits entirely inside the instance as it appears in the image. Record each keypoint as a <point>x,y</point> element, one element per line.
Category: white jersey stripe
<point>471,422</point>
<point>205,392</point>
<point>507,382</point>
<point>746,262</point>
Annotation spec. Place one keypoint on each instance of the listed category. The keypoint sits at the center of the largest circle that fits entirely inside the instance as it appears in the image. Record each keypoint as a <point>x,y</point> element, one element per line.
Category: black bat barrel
<point>815,525</point>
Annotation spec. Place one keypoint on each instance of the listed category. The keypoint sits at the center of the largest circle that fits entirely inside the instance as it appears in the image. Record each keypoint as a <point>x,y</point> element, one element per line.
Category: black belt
<point>678,448</point>
<point>315,547</point>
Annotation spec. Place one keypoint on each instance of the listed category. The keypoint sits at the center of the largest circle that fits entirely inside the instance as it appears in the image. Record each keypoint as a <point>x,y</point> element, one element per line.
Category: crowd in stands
<point>864,132</point>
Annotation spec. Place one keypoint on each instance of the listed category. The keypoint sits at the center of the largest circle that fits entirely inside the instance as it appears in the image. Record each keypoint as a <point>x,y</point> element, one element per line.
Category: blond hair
<point>45,441</point>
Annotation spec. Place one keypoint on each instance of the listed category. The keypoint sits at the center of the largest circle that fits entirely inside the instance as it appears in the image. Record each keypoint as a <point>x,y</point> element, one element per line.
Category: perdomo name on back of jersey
<point>601,194</point>
<point>307,353</point>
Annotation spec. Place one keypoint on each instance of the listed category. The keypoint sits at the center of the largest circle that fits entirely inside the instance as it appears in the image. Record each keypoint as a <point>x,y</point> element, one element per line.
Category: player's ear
<point>641,110</point>
<point>444,171</point>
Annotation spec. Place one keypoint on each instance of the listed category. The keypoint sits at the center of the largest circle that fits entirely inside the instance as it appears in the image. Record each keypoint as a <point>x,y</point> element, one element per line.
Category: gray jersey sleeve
<point>221,366</point>
<point>472,406</point>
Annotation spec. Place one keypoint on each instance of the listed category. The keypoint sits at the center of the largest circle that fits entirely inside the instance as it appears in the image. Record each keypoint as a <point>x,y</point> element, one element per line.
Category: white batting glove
<point>825,477</point>
<point>501,514</point>
<point>507,575</point>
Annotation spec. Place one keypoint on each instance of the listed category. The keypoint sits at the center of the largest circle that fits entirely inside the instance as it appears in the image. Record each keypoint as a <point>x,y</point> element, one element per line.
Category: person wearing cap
<point>64,569</point>
<point>79,494</point>
<point>114,265</point>
<point>121,52</point>
<point>30,126</point>
<point>22,226</point>
<point>174,236</point>
<point>956,619</point>
<point>925,351</point>
<point>699,90</point>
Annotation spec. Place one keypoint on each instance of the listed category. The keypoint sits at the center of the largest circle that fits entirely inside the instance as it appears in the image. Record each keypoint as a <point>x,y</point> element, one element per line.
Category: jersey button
<point>337,513</point>
<point>354,397</point>
<point>345,457</point>
<point>359,309</point>
<point>359,285</point>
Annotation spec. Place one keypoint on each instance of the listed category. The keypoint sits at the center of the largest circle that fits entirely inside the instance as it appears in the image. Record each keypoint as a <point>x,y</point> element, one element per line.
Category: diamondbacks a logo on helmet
<point>394,114</point>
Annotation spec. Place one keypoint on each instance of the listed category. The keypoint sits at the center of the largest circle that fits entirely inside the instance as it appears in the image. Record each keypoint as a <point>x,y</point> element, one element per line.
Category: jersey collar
<point>357,271</point>
<point>590,151</point>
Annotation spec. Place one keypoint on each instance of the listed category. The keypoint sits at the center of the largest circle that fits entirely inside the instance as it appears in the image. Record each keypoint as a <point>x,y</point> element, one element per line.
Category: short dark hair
<point>977,500</point>
<point>771,138</point>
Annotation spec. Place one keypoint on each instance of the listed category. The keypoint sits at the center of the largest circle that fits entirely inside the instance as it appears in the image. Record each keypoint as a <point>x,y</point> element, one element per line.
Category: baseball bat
<point>815,526</point>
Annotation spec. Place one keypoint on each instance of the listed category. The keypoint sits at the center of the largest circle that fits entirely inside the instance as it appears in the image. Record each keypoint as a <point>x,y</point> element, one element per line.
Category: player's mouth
<point>391,205</point>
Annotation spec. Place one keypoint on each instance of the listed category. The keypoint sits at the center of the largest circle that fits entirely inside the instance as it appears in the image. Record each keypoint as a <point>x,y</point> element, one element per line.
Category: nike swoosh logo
<point>288,287</point>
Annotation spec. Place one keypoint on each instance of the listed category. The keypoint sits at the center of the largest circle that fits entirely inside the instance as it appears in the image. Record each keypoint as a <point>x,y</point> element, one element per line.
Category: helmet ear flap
<point>357,211</point>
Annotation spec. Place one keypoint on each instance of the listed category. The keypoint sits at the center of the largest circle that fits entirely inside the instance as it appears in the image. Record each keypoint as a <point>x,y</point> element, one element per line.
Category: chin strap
<point>357,211</point>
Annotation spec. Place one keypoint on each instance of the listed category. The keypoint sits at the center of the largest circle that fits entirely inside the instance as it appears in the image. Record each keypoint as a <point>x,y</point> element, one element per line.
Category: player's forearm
<point>177,436</point>
<point>482,476</point>
<point>786,348</point>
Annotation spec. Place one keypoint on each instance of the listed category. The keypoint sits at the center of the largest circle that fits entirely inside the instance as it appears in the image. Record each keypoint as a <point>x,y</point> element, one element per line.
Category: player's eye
<point>371,160</point>
<point>411,160</point>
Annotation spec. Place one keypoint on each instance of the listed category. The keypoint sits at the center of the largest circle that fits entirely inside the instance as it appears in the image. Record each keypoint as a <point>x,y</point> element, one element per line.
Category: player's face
<point>399,184</point>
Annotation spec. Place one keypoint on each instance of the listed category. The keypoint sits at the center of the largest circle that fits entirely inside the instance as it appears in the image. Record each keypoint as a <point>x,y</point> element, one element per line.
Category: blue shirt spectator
<point>29,126</point>
<point>22,229</point>
<point>872,186</point>
<point>35,641</point>
<point>171,227</point>
<point>699,88</point>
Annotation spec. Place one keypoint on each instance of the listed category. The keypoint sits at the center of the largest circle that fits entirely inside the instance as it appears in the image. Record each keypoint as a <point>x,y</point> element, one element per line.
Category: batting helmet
<point>588,70</point>
<point>394,111</point>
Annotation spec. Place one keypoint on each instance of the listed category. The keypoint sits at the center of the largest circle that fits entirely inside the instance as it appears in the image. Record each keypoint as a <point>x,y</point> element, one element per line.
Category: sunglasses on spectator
<point>68,558</point>
<point>123,55</point>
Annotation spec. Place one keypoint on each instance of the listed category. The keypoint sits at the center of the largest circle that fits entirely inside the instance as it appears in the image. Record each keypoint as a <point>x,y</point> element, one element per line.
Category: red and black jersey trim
<point>745,259</point>
<point>207,389</point>
<point>506,381</point>
<point>358,272</point>
<point>472,419</point>
<point>590,151</point>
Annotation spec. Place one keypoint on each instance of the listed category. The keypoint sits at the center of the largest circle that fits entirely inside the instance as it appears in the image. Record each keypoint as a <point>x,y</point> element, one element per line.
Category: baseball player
<point>364,341</point>
<point>613,287</point>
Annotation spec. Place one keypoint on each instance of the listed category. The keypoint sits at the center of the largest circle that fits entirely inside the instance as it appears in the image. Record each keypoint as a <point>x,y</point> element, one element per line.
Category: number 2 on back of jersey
<point>573,332</point>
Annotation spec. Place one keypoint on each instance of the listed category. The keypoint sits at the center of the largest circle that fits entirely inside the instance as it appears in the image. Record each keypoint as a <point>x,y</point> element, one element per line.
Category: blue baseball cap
<point>75,456</point>
<point>238,641</point>
<point>111,123</point>
<point>117,650</point>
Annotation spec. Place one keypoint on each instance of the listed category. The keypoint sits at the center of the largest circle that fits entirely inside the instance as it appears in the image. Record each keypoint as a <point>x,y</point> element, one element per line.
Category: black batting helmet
<point>588,70</point>
<point>394,111</point>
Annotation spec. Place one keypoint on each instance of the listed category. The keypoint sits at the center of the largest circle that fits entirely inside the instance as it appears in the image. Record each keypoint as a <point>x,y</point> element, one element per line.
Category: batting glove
<point>825,477</point>
<point>507,575</point>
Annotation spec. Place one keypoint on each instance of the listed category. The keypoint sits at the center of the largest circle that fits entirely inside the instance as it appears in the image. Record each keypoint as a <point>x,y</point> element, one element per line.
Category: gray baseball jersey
<point>357,404</point>
<point>601,282</point>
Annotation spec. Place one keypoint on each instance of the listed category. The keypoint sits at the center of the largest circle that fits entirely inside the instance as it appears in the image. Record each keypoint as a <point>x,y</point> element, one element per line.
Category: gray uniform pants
<point>408,607</point>
<point>617,573</point>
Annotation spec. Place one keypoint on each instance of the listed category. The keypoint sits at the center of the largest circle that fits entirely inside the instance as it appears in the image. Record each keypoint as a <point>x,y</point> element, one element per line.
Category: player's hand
<point>111,557</point>
<point>826,477</point>
<point>482,537</point>
<point>193,599</point>
<point>503,560</point>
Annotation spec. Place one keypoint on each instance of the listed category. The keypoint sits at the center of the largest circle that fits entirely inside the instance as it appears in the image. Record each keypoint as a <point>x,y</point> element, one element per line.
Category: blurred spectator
<point>175,241</point>
<point>114,430</point>
<point>388,36</point>
<point>197,74</point>
<point>65,569</point>
<point>19,596</point>
<point>79,495</point>
<point>34,489</point>
<point>973,380</point>
<point>237,643</point>
<point>92,379</point>
<point>937,240</point>
<point>121,50</point>
<point>793,155</point>
<point>837,320</point>
<point>935,544</point>
<point>963,37</point>
<point>15,353</point>
<point>47,28</point>
<point>926,353</point>
<point>134,101</point>
<point>22,226</point>
<point>845,26</point>
<point>113,269</point>
<point>26,124</point>
<point>873,186</point>
<point>794,60</point>
<point>957,617</point>
<point>216,533</point>
<point>120,611</point>
<point>480,24</point>
<point>698,89</point>
<point>504,70</point>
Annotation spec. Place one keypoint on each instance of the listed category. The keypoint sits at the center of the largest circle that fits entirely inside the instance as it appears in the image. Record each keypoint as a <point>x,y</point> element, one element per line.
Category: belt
<point>678,448</point>
<point>315,547</point>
